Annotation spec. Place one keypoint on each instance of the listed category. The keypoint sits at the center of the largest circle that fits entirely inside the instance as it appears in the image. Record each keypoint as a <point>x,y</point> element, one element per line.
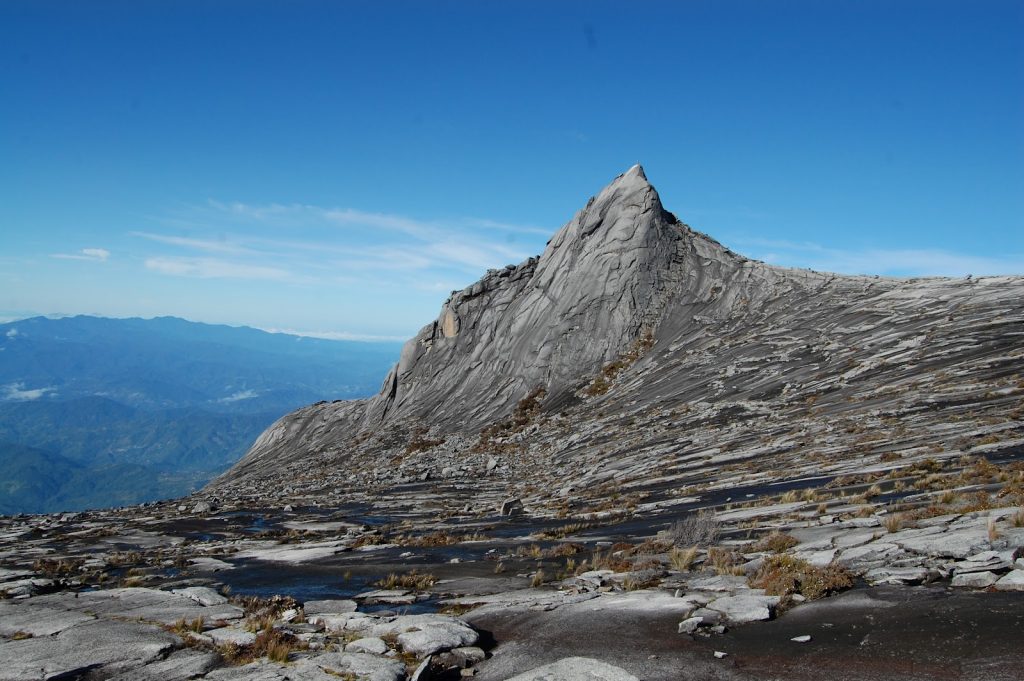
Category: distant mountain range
<point>101,412</point>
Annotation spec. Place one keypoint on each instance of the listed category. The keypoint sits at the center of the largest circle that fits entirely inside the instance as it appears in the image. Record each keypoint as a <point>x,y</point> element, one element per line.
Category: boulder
<point>203,595</point>
<point>111,646</point>
<point>437,637</point>
<point>234,635</point>
<point>23,616</point>
<point>179,666</point>
<point>371,644</point>
<point>1012,581</point>
<point>363,666</point>
<point>745,608</point>
<point>975,580</point>
<point>331,606</point>
<point>897,576</point>
<point>576,669</point>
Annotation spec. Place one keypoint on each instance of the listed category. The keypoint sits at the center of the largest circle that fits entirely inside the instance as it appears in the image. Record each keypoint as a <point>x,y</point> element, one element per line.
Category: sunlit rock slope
<point>639,355</point>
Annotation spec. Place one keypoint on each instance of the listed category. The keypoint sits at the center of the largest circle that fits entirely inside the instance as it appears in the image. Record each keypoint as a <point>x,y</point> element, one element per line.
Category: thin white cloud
<point>890,262</point>
<point>212,246</point>
<point>239,396</point>
<point>213,268</point>
<point>16,392</point>
<point>327,243</point>
<point>338,335</point>
<point>91,254</point>
<point>12,333</point>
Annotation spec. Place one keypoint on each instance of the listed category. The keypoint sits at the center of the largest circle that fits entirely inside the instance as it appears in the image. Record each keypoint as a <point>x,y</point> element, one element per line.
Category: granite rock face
<point>603,279</point>
<point>721,339</point>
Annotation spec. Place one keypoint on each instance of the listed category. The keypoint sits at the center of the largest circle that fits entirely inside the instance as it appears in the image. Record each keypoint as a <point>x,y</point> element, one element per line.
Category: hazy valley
<point>101,412</point>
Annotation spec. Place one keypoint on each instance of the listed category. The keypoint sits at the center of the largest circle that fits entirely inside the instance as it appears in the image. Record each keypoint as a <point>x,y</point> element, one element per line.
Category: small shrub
<point>538,578</point>
<point>700,529</point>
<point>723,561</point>
<point>1018,518</point>
<point>643,579</point>
<point>784,575</point>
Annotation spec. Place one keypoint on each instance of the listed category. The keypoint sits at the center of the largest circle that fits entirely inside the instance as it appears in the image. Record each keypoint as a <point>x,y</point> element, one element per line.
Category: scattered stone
<point>720,655</point>
<point>690,625</point>
<point>203,507</point>
<point>511,508</point>
<point>801,639</point>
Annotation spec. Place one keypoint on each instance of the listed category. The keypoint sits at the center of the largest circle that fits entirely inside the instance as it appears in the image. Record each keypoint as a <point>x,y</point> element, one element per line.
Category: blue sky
<point>339,167</point>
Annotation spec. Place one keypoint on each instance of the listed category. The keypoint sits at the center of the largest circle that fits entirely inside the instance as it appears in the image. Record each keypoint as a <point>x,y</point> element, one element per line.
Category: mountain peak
<point>636,170</point>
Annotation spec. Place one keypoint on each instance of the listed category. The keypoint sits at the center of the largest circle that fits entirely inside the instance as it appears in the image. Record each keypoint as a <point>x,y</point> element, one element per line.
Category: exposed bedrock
<point>719,332</point>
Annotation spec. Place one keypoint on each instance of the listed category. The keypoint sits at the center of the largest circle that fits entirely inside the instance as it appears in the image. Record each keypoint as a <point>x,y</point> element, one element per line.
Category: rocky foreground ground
<point>846,580</point>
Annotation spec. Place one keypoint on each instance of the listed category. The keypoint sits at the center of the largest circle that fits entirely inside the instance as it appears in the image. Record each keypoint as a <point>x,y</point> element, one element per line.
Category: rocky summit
<point>637,456</point>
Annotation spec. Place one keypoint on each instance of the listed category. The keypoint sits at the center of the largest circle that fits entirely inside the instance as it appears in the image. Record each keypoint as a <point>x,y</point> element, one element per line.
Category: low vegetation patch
<point>784,575</point>
<point>602,383</point>
<point>776,542</point>
<point>696,529</point>
<point>273,644</point>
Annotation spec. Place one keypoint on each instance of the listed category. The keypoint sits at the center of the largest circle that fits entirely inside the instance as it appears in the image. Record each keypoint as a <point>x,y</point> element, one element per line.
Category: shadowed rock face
<point>725,330</point>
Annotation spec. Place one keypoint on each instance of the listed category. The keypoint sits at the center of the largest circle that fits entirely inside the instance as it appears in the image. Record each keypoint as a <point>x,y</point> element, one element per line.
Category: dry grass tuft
<point>682,559</point>
<point>776,542</point>
<point>410,580</point>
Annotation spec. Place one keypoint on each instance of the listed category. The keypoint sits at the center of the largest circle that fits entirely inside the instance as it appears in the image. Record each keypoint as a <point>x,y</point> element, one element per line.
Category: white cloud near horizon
<point>897,262</point>
<point>16,392</point>
<point>339,335</point>
<point>90,254</point>
<point>239,396</point>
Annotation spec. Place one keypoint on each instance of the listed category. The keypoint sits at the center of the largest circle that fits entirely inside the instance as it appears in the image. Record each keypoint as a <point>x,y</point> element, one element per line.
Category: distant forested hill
<point>100,412</point>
